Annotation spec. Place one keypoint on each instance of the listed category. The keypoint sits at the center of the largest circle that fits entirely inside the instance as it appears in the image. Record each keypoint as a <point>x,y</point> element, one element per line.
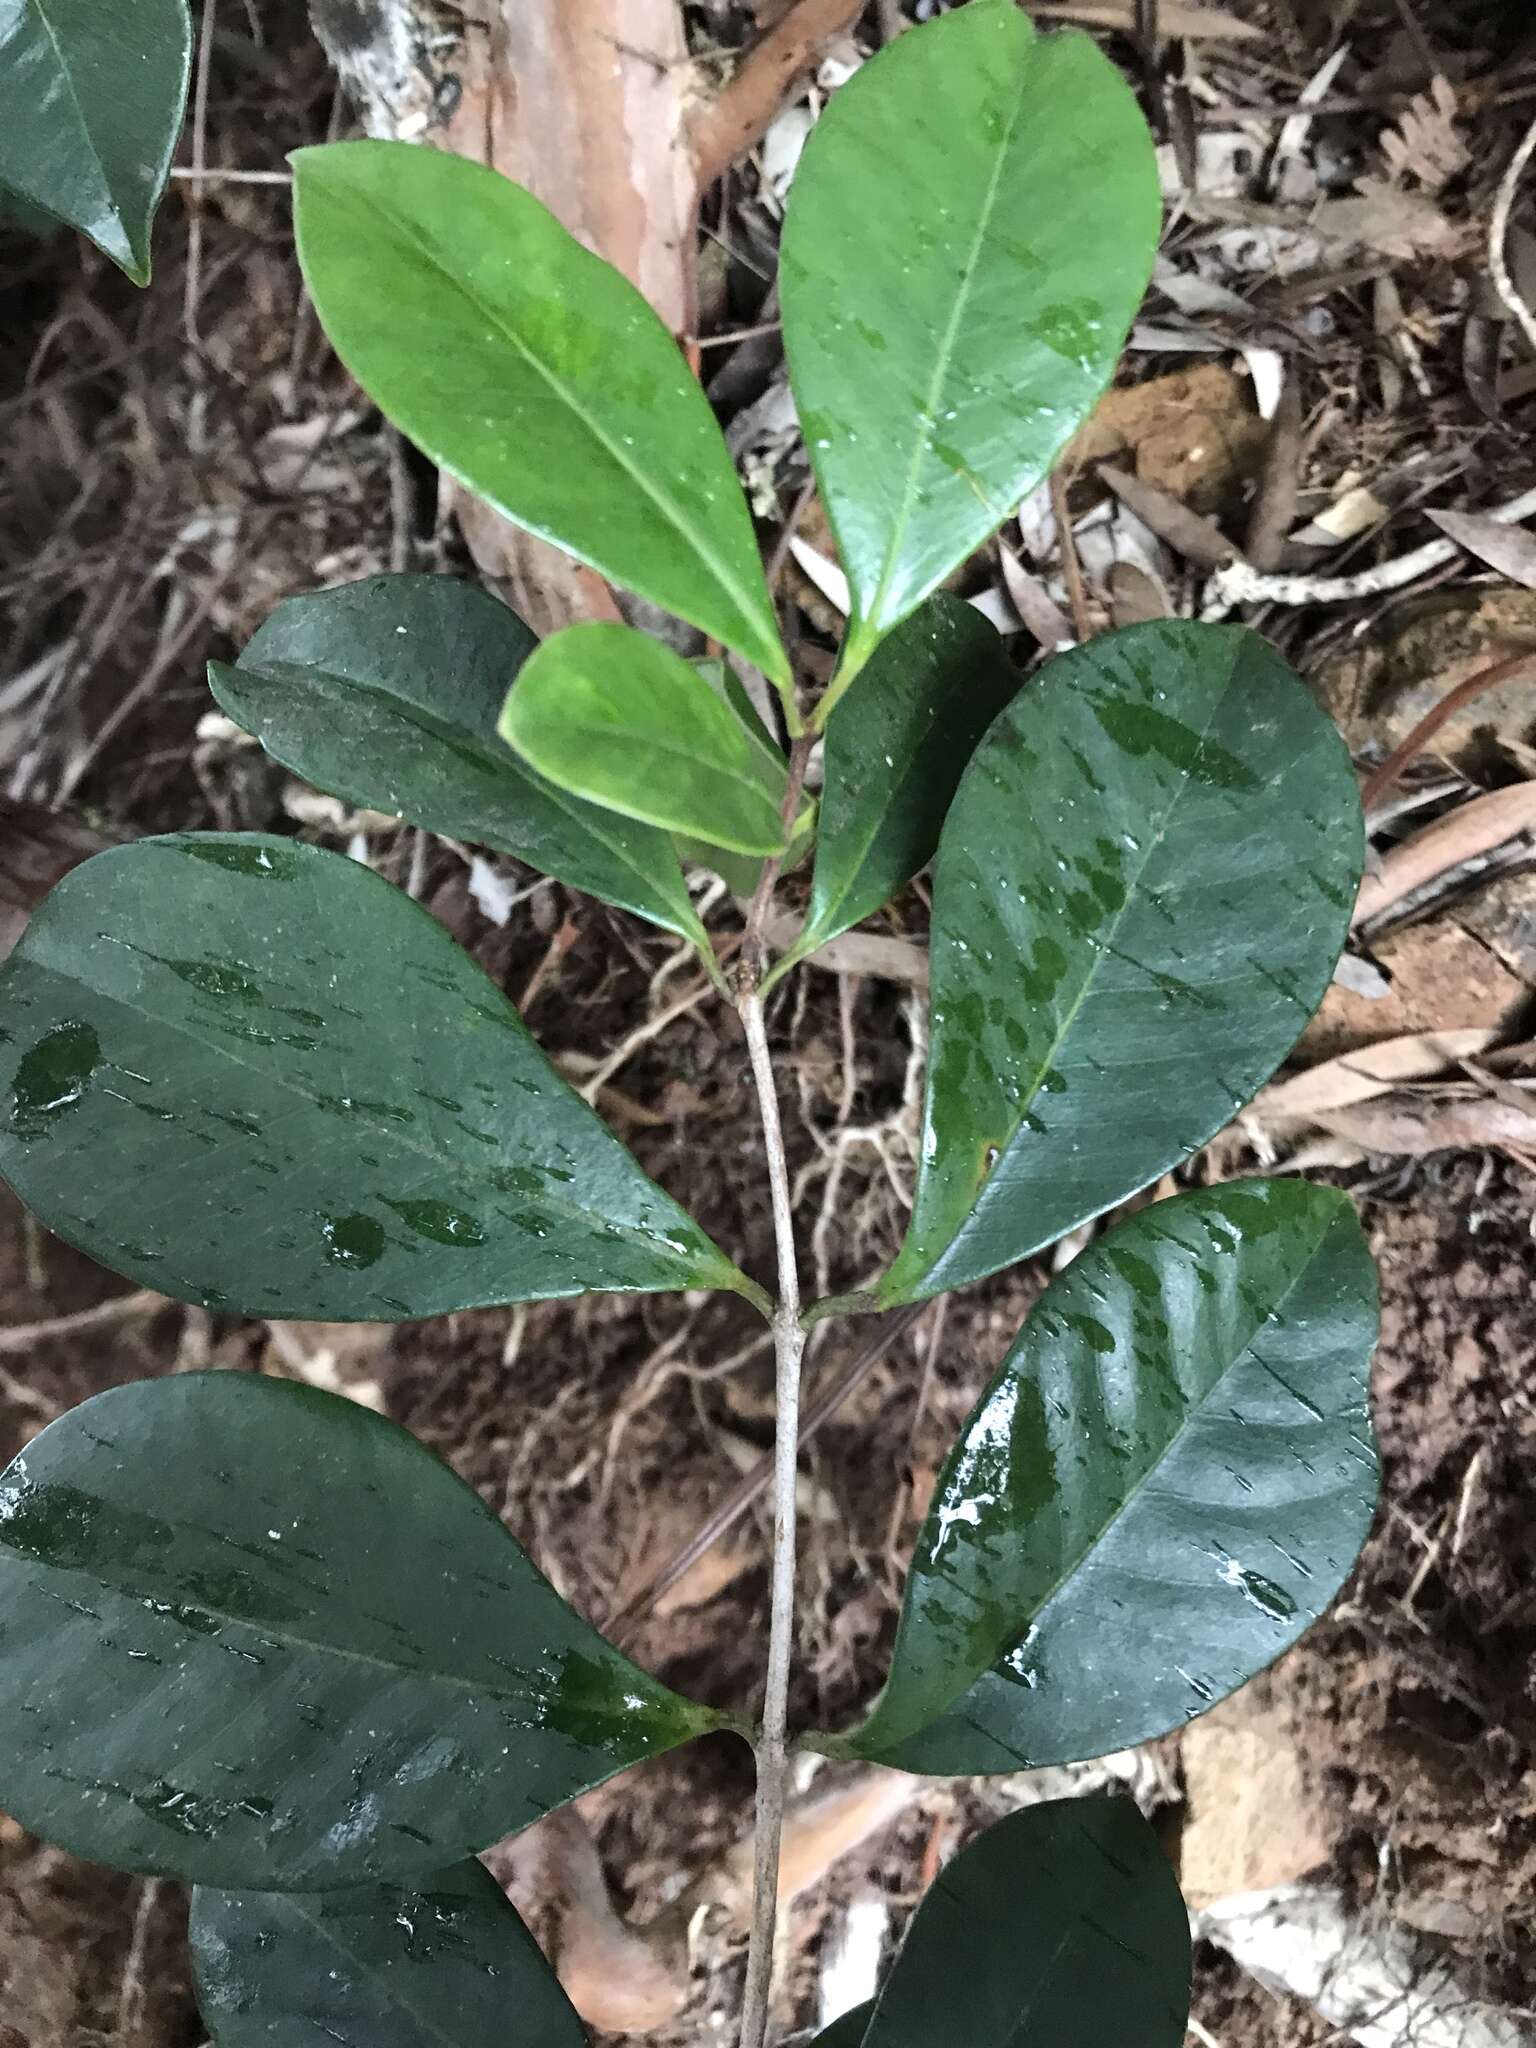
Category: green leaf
<point>619,719</point>
<point>848,2031</point>
<point>971,230</point>
<point>91,102</point>
<point>1062,1924</point>
<point>894,758</point>
<point>254,1075</point>
<point>387,691</point>
<point>444,1964</point>
<point>1164,1486</point>
<point>534,373</point>
<point>255,1635</point>
<point>1142,888</point>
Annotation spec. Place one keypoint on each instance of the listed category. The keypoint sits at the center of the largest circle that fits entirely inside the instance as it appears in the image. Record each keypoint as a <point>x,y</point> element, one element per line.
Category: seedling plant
<point>257,1637</point>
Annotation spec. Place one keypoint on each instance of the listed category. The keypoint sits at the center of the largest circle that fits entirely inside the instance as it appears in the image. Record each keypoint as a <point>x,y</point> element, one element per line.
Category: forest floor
<point>1324,360</point>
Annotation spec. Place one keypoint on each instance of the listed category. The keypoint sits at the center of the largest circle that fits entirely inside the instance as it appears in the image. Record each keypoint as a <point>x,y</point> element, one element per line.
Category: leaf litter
<point>144,536</point>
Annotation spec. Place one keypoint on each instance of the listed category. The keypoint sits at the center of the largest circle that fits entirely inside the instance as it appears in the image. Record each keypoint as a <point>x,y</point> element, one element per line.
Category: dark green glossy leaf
<point>972,227</point>
<point>621,720</point>
<point>893,759</point>
<point>255,1635</point>
<point>1061,1925</point>
<point>1166,1483</point>
<point>848,2031</point>
<point>254,1075</point>
<point>1142,887</point>
<point>91,101</point>
<point>387,692</point>
<point>444,1964</point>
<point>534,373</point>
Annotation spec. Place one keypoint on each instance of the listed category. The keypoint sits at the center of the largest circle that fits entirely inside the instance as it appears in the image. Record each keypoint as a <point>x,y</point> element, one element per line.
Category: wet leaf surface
<point>444,1964</point>
<point>255,1635</point>
<point>91,104</point>
<point>619,719</point>
<point>386,692</point>
<point>994,195</point>
<point>1164,1486</point>
<point>255,1076</point>
<point>534,373</point>
<point>1141,889</point>
<point>894,757</point>
<point>1061,1924</point>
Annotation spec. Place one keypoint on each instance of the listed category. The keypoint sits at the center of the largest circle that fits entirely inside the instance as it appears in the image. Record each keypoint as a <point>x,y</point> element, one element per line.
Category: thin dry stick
<point>1498,236</point>
<point>788,1347</point>
<point>24,1336</point>
<point>1239,583</point>
<point>194,282</point>
<point>1382,778</point>
<point>737,119</point>
<point>758,1477</point>
<point>1072,568</point>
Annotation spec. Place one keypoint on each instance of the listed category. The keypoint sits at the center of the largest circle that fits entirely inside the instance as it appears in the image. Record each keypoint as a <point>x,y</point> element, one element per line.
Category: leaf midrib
<point>742,777</point>
<point>270,1632</point>
<point>724,576</point>
<point>1187,1421</point>
<point>943,362</point>
<point>679,911</point>
<point>558,1206</point>
<point>1110,931</point>
<point>298,1903</point>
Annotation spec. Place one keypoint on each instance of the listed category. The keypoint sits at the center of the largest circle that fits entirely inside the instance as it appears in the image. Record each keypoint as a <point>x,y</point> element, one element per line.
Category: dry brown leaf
<point>1358,1076</point>
<point>621,1979</point>
<point>818,1830</point>
<point>1196,538</point>
<point>1426,143</point>
<point>724,1563</point>
<point>1387,221</point>
<point>1041,615</point>
<point>1472,829</point>
<point>1509,549</point>
<point>1410,1127</point>
<point>1135,597</point>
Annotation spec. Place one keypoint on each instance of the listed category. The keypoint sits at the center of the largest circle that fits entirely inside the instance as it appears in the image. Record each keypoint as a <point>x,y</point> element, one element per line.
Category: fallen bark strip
<point>1462,835</point>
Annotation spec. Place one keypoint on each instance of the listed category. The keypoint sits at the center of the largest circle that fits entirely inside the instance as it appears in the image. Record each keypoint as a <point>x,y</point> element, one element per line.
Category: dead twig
<point>1381,779</point>
<point>1274,508</point>
<point>739,116</point>
<point>752,1482</point>
<point>1240,583</point>
<point>1071,567</point>
<point>1498,236</point>
<point>23,1336</point>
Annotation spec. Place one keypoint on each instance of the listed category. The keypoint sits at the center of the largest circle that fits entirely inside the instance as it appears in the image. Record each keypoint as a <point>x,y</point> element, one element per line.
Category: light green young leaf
<point>1142,887</point>
<point>1061,1925</point>
<point>617,718</point>
<point>91,102</point>
<point>894,756</point>
<point>256,1635</point>
<point>971,230</point>
<point>534,373</point>
<point>1166,1484</point>
<point>442,1963</point>
<point>254,1075</point>
<point>387,691</point>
